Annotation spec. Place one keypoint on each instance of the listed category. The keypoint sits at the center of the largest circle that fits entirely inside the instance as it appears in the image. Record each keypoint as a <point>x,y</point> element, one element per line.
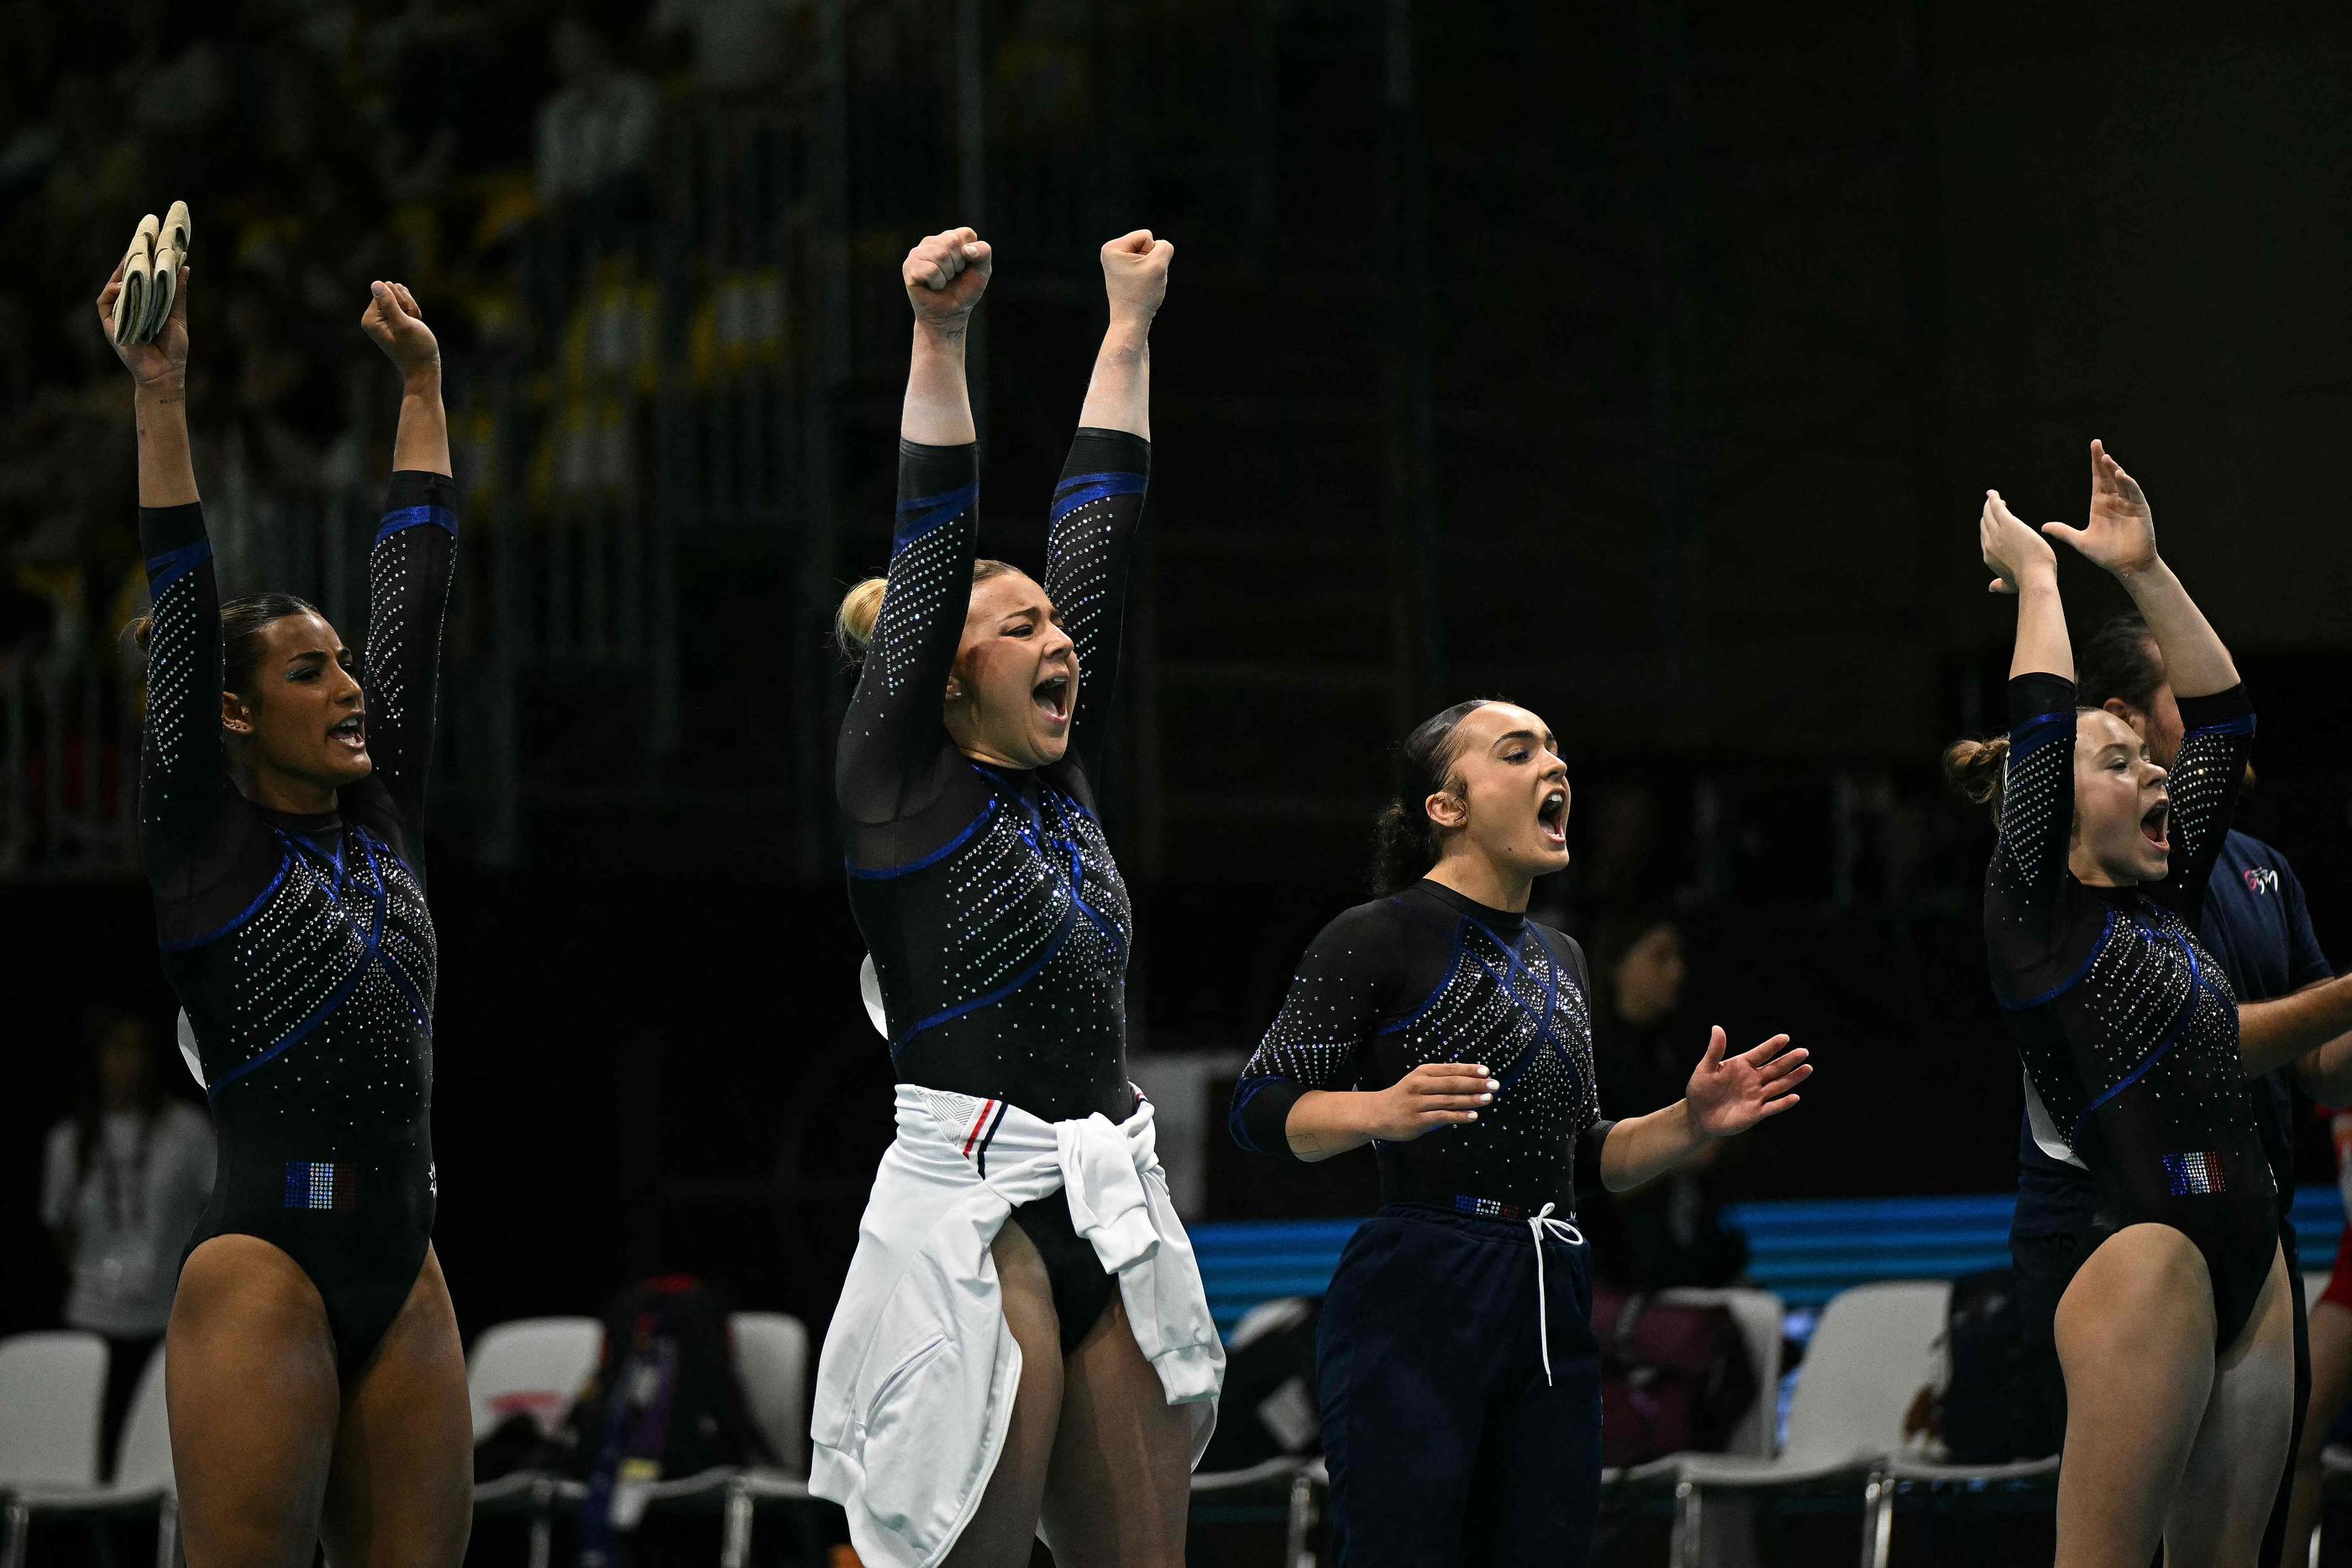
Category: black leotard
<point>997,919</point>
<point>1429,976</point>
<point>2127,1026</point>
<point>300,946</point>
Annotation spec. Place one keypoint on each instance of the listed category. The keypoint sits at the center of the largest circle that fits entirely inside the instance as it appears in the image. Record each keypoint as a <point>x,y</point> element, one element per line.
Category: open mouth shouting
<point>1552,818</point>
<point>2153,824</point>
<point>350,733</point>
<point>1052,695</point>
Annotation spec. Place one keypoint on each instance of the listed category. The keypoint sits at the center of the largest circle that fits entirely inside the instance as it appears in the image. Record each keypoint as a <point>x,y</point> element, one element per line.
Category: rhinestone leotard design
<point>1429,976</point>
<point>300,946</point>
<point>2127,1028</point>
<point>989,899</point>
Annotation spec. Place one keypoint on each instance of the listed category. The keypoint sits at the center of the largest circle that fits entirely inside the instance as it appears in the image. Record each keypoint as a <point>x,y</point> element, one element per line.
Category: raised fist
<point>1135,275</point>
<point>397,325</point>
<point>946,275</point>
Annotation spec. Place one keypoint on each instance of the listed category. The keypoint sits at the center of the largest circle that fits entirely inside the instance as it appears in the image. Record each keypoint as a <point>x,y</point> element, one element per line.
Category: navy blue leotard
<point>996,916</point>
<point>2127,1026</point>
<point>300,947</point>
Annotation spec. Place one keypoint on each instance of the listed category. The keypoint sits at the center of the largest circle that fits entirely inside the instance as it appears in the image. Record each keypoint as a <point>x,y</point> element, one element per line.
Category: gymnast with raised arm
<point>1022,1345</point>
<point>2175,1334</point>
<point>314,1376</point>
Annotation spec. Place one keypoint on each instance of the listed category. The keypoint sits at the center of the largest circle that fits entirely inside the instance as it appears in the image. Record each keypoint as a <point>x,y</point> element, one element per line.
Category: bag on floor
<point>1674,1378</point>
<point>1986,1415</point>
<point>1267,1406</point>
<point>665,1402</point>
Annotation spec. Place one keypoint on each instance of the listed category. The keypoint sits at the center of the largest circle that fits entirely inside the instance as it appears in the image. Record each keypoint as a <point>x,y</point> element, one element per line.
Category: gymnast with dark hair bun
<point>314,1375</point>
<point>1460,1380</point>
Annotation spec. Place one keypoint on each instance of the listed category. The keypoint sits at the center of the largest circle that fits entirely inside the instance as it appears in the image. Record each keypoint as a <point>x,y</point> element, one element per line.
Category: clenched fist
<point>397,325</point>
<point>945,275</point>
<point>1135,275</point>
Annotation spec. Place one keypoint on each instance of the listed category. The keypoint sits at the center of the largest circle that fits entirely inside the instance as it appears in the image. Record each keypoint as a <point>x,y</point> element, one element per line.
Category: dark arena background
<point>1644,365</point>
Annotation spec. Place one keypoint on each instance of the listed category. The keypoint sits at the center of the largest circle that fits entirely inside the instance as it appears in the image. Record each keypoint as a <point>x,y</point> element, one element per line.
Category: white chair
<point>772,1351</point>
<point>141,1483</point>
<point>1870,1355</point>
<point>533,1366</point>
<point>52,1386</point>
<point>2314,1287</point>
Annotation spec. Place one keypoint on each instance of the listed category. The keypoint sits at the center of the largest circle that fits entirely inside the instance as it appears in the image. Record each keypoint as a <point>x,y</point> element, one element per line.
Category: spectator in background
<point>599,126</point>
<point>127,1175</point>
<point>1669,1232</point>
<point>737,46</point>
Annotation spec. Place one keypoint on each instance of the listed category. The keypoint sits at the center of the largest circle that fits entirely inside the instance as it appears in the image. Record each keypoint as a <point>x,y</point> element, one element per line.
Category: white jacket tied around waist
<point>914,1389</point>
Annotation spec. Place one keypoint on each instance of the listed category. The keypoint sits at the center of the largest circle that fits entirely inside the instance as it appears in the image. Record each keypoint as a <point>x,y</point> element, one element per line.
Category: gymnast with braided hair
<point>314,1375</point>
<point>2175,1333</point>
<point>1022,1345</point>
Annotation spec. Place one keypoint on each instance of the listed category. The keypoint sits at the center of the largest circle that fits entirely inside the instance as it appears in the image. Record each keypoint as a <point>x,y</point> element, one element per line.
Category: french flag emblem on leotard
<point>2195,1175</point>
<point>313,1184</point>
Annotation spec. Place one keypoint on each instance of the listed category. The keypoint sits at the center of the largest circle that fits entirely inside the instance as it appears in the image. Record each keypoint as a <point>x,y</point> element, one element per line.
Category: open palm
<point>2121,532</point>
<point>1731,1094</point>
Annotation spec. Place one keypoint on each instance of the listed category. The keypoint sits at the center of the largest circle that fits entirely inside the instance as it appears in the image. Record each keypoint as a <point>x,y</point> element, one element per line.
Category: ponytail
<point>1405,842</point>
<point>1976,768</point>
<point>852,623</point>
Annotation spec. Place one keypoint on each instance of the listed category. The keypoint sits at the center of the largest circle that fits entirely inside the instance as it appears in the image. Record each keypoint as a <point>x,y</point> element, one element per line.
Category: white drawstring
<point>1538,1223</point>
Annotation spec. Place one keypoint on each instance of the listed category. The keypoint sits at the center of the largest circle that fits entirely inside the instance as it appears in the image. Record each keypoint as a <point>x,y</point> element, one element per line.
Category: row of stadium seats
<point>1873,1349</point>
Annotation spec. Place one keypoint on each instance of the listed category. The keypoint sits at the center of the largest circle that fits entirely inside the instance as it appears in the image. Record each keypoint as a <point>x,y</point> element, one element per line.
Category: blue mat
<point>1806,1249</point>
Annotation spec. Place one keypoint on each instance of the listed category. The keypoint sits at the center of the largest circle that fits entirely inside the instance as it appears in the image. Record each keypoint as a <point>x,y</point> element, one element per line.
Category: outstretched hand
<point>1729,1095</point>
<point>1135,275</point>
<point>393,319</point>
<point>164,358</point>
<point>945,275</point>
<point>2120,534</point>
<point>2010,550</point>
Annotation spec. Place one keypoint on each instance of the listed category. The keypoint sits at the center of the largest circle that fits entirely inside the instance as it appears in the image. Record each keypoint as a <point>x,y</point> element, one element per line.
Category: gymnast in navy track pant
<point>1460,1381</point>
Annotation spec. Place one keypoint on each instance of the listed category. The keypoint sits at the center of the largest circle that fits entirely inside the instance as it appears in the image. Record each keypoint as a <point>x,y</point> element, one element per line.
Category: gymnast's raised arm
<point>1098,502</point>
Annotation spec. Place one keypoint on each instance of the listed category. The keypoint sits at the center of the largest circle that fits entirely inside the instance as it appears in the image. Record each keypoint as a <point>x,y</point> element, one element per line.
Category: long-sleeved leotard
<point>300,946</point>
<point>2127,1026</point>
<point>997,920</point>
<point>1429,976</point>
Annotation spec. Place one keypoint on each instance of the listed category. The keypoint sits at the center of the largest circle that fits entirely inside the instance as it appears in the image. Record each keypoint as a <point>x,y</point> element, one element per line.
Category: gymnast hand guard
<point>150,275</point>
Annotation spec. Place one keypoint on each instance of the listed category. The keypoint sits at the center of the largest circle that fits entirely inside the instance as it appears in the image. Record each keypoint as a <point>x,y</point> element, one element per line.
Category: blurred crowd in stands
<point>321,143</point>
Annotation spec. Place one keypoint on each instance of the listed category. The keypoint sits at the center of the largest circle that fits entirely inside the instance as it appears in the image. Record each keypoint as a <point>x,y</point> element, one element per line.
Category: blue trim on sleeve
<point>925,514</point>
<point>401,518</point>
<point>162,570</point>
<point>1085,489</point>
<point>1236,1122</point>
<point>2019,741</point>
<point>2244,724</point>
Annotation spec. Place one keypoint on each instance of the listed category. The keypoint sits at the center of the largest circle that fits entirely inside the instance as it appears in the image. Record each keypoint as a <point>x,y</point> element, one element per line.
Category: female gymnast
<point>315,1379</point>
<point>982,1379</point>
<point>2175,1334</point>
<point>1461,1415</point>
